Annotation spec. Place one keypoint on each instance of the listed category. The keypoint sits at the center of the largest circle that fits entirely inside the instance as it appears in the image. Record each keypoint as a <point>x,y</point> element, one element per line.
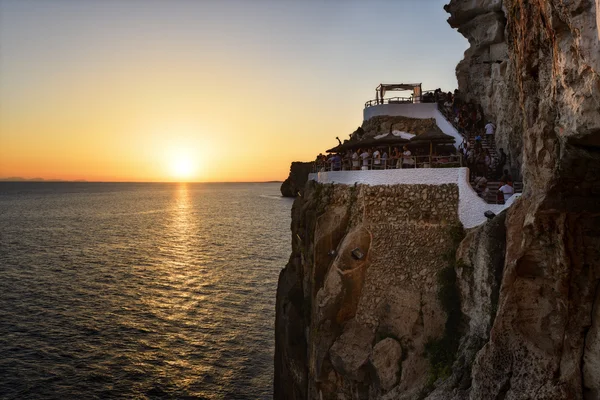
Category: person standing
<point>490,129</point>
<point>506,190</point>
<point>356,160</point>
<point>365,160</point>
<point>487,162</point>
<point>478,145</point>
<point>407,159</point>
<point>376,159</point>
<point>396,162</point>
<point>336,162</point>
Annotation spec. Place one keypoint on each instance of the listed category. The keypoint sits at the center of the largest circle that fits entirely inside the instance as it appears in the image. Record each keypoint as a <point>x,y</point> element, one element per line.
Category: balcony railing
<point>451,161</point>
<point>391,100</point>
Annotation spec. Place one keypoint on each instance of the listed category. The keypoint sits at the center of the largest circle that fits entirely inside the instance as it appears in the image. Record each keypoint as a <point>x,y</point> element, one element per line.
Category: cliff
<point>358,302</point>
<point>545,97</point>
<point>294,184</point>
<point>510,312</point>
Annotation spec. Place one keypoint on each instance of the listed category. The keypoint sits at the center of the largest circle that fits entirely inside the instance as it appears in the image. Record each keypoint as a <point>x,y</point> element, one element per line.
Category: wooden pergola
<point>387,87</point>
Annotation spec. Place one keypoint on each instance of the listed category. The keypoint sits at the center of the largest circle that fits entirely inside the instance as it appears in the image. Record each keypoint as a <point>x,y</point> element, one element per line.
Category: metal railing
<point>450,161</point>
<point>391,100</point>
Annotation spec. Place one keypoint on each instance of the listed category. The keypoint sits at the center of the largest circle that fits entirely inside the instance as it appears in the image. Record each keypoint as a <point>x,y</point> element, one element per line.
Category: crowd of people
<point>468,119</point>
<point>481,162</point>
<point>367,159</point>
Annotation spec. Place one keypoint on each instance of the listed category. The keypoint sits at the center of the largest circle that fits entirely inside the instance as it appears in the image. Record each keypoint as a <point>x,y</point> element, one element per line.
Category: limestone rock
<point>544,99</point>
<point>385,359</point>
<point>294,184</point>
<point>528,280</point>
<point>351,350</point>
<point>591,355</point>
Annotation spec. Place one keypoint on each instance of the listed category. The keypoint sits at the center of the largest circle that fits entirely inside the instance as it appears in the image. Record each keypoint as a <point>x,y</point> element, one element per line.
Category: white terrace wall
<point>471,208</point>
<point>416,110</point>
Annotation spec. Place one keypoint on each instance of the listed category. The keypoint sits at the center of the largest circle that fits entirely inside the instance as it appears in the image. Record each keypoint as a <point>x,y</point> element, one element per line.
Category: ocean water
<point>120,290</point>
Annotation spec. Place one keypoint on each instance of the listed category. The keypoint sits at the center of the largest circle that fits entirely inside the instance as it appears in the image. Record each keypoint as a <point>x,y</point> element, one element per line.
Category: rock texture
<point>517,315</point>
<point>294,184</point>
<point>486,74</point>
<point>355,324</point>
<point>545,97</point>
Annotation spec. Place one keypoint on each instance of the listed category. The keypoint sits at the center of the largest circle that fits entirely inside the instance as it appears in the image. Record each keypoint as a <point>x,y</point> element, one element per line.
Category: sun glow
<point>183,166</point>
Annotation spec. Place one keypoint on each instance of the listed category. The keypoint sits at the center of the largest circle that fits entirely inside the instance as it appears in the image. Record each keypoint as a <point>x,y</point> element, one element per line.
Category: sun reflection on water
<point>173,297</point>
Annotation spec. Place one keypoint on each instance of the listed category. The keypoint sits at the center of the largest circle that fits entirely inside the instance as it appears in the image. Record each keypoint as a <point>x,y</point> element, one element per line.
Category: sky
<point>142,90</point>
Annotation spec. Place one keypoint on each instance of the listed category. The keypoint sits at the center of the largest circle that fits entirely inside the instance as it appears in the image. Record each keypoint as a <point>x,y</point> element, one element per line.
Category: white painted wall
<point>470,206</point>
<point>415,110</point>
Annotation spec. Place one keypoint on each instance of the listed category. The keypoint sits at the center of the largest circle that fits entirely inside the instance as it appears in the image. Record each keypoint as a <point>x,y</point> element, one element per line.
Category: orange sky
<point>107,91</point>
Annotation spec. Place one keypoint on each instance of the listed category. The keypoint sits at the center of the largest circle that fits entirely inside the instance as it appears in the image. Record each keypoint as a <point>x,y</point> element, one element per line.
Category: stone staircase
<point>486,145</point>
<point>491,195</point>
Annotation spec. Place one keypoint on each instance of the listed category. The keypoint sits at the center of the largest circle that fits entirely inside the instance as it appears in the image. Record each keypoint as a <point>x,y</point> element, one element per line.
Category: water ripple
<point>139,290</point>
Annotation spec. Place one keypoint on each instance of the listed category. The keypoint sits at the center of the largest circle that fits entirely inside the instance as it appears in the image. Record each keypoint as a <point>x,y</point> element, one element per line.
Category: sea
<point>139,290</point>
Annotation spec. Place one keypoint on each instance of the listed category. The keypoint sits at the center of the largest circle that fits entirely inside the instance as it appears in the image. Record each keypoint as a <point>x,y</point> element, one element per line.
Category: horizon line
<point>16,180</point>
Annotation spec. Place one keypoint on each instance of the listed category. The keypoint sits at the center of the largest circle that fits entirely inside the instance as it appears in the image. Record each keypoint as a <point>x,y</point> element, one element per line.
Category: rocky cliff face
<point>544,341</point>
<point>516,314</point>
<point>294,184</point>
<point>359,301</point>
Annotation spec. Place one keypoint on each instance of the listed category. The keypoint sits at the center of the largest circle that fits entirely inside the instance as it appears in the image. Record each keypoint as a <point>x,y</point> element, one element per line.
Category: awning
<point>434,135</point>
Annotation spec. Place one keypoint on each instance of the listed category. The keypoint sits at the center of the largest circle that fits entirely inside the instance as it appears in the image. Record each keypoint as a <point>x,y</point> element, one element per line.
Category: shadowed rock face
<point>545,97</point>
<point>528,280</point>
<point>354,324</point>
<point>294,184</point>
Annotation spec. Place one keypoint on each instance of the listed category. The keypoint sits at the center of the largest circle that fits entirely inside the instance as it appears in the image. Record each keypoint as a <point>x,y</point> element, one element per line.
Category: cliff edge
<point>294,184</point>
<point>545,97</point>
<point>384,296</point>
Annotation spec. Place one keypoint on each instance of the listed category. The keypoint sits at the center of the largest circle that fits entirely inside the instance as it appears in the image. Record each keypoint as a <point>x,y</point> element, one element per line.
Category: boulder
<point>385,359</point>
<point>351,350</point>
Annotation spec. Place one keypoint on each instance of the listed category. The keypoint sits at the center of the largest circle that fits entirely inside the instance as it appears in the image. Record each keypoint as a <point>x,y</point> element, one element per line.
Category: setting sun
<point>183,168</point>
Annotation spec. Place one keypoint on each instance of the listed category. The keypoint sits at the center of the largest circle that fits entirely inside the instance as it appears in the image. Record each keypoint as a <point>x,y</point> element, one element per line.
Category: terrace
<point>429,142</point>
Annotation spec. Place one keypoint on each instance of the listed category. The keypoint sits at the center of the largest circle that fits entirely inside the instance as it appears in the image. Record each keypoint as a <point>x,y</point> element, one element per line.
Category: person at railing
<point>428,98</point>
<point>376,159</point>
<point>407,160</point>
<point>338,162</point>
<point>395,160</point>
<point>321,163</point>
<point>384,160</point>
<point>356,160</point>
<point>347,161</point>
<point>448,105</point>
<point>366,157</point>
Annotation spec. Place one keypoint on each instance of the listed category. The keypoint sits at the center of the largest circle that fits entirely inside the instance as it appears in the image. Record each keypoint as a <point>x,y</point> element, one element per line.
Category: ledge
<point>471,208</point>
